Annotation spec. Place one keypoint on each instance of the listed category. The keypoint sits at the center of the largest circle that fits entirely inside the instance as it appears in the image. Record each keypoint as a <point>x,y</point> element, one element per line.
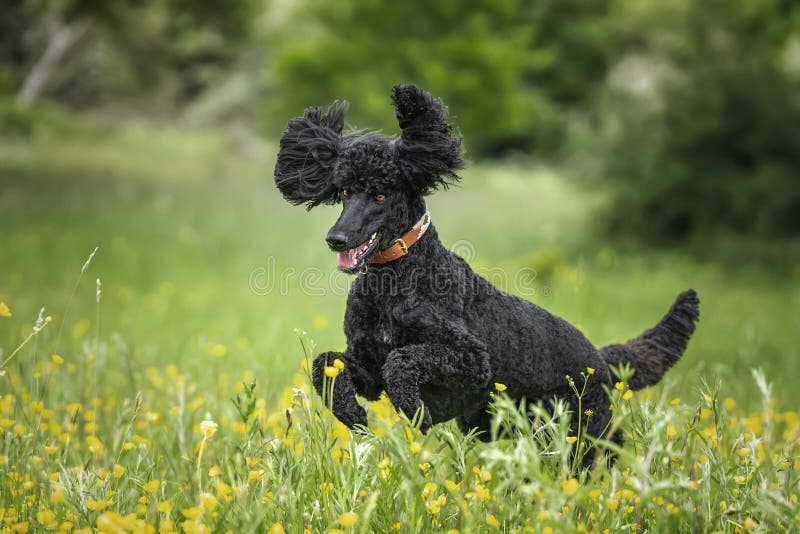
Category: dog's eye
<point>380,198</point>
<point>345,192</point>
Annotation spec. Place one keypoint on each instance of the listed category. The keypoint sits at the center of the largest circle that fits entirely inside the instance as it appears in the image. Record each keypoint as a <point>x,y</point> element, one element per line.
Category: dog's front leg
<point>343,403</point>
<point>449,371</point>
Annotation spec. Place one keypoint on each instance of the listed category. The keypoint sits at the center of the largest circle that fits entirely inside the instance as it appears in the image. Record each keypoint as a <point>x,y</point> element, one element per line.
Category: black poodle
<point>420,324</point>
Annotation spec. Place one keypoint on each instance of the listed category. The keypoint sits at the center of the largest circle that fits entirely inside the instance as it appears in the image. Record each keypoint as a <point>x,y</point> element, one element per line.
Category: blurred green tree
<point>716,146</point>
<point>510,70</point>
<point>85,52</point>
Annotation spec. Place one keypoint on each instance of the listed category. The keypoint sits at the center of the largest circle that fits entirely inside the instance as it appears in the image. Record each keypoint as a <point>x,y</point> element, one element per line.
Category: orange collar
<point>401,245</point>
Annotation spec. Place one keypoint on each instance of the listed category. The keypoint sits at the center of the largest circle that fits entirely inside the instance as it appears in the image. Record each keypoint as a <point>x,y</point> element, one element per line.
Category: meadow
<point>116,409</point>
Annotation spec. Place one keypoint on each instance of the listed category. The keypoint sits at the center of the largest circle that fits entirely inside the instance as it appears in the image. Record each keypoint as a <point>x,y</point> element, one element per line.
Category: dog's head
<point>379,180</point>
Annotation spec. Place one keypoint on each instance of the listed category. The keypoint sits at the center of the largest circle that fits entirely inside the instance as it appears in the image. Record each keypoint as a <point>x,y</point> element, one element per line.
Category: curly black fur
<point>425,328</point>
<point>428,154</point>
<point>309,150</point>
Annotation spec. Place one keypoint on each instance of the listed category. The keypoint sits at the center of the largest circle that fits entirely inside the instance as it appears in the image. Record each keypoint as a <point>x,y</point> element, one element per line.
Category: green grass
<point>188,225</point>
<point>185,223</point>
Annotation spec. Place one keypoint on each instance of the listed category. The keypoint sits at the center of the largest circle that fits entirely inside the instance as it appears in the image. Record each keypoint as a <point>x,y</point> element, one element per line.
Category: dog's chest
<point>385,332</point>
<point>378,316</point>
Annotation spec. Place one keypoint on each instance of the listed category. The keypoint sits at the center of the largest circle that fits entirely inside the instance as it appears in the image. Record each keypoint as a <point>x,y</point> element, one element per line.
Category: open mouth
<point>353,259</point>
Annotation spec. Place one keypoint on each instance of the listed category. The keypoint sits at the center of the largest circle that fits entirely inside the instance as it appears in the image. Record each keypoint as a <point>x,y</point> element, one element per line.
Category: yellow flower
<point>339,364</point>
<point>221,488</point>
<point>332,372</point>
<point>619,386</point>
<point>627,395</point>
<point>164,507</point>
<point>47,518</point>
<point>672,431</point>
<point>492,521</point>
<point>729,403</point>
<point>429,489</point>
<point>95,505</point>
<point>320,322</point>
<point>208,501</point>
<point>255,475</point>
<point>4,311</point>
<point>277,528</point>
<point>207,428</point>
<point>435,506</point>
<point>676,401</point>
<point>590,370</point>
<point>192,513</point>
<point>452,486</point>
<point>484,475</point>
<point>118,471</point>
<point>348,519</point>
<point>543,515</point>
<point>58,495</point>
<point>500,387</point>
<point>214,471</point>
<point>571,439</point>
<point>240,428</point>
<point>56,359</point>
<point>749,524</point>
<point>570,486</point>
<point>415,447</point>
<point>152,486</point>
<point>217,350</point>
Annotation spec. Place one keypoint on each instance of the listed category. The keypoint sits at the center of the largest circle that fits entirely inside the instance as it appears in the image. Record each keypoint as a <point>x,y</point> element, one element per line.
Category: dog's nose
<point>336,240</point>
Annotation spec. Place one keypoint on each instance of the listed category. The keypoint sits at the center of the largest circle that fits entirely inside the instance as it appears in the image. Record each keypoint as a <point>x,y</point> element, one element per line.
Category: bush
<point>508,70</point>
<point>716,149</point>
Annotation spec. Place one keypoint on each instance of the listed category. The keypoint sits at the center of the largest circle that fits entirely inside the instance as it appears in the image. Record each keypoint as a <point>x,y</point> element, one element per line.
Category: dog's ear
<point>427,152</point>
<point>308,152</point>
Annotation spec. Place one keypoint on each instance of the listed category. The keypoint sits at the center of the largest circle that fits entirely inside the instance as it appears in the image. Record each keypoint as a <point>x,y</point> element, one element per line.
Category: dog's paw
<point>352,416</point>
<point>318,368</point>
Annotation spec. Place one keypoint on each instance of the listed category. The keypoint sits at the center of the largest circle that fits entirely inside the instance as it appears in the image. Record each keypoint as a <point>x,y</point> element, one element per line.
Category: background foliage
<point>685,111</point>
<point>623,150</point>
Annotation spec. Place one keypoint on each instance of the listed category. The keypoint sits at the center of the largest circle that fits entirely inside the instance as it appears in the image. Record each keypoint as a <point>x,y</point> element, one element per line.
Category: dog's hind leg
<point>441,380</point>
<point>344,404</point>
<point>480,420</point>
<point>593,413</point>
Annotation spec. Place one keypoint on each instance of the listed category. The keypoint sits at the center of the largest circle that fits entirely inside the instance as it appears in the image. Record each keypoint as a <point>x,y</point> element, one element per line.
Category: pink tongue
<point>347,258</point>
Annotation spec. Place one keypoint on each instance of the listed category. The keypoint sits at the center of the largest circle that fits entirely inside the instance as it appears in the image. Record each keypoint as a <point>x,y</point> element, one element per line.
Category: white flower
<point>207,428</point>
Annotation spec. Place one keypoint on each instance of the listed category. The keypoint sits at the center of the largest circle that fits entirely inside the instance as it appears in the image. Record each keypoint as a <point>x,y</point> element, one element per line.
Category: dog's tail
<point>659,348</point>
